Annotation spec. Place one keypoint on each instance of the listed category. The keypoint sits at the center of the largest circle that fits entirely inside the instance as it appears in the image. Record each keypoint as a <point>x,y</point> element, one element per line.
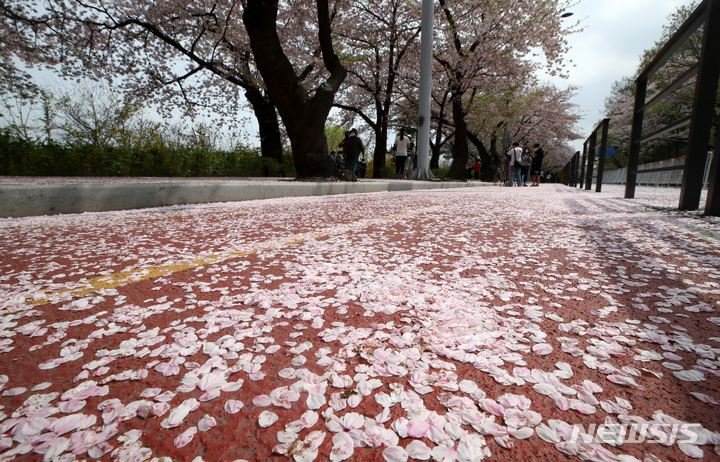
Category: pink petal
<point>417,428</point>
<point>492,407</point>
<point>14,391</point>
<point>150,392</point>
<point>522,433</point>
<point>542,349</point>
<point>547,434</point>
<point>267,418</point>
<point>691,450</point>
<point>395,454</point>
<point>562,402</point>
<point>262,401</point>
<point>73,422</point>
<point>68,407</point>
<point>343,447</point>
<point>206,423</point>
<point>545,389</point>
<point>185,437</point>
<point>315,401</point>
<point>354,400</point>
<point>353,420</point>
<point>233,406</point>
<point>418,450</point>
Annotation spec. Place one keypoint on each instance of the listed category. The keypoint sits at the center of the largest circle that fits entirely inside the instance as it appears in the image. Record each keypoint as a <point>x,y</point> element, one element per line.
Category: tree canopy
<point>296,59</point>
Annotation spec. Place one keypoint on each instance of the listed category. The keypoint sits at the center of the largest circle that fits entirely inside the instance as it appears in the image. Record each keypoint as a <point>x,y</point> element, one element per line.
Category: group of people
<point>352,148</point>
<point>519,163</point>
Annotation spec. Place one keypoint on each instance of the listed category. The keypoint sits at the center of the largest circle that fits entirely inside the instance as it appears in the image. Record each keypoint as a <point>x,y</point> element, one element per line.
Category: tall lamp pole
<point>422,172</point>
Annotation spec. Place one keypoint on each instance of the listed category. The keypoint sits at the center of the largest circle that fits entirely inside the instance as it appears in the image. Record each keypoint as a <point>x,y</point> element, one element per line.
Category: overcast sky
<point>615,34</point>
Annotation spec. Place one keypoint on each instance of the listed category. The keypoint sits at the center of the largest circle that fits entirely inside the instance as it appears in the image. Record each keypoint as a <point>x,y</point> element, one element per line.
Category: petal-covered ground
<point>482,323</point>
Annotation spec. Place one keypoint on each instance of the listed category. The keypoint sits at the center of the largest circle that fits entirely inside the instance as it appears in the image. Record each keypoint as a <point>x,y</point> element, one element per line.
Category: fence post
<point>582,166</point>
<point>712,204</point>
<point>601,160</point>
<point>703,111</point>
<point>636,134</point>
<point>576,169</point>
<point>591,161</point>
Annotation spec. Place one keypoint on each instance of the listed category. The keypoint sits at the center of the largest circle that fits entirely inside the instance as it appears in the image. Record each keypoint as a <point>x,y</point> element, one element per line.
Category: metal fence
<point>706,73</point>
<point>672,177</point>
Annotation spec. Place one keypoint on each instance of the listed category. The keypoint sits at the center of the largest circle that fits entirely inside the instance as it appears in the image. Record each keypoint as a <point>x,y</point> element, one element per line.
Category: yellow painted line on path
<point>122,278</point>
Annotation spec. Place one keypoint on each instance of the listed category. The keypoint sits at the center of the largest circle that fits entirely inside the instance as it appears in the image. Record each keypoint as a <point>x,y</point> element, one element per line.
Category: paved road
<point>479,323</point>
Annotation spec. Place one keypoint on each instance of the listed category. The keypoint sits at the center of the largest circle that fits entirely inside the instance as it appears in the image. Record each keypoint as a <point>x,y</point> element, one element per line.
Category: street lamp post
<point>422,172</point>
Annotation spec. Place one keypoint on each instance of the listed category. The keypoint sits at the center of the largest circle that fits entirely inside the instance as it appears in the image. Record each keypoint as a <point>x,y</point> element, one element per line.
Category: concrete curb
<point>24,200</point>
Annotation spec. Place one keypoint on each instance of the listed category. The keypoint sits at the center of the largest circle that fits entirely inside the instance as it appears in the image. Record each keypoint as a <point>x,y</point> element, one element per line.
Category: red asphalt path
<point>480,323</point>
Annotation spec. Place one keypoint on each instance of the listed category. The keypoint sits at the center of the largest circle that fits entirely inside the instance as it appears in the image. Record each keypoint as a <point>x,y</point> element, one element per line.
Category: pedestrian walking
<point>515,155</point>
<point>353,147</point>
<point>402,142</point>
<point>525,162</point>
<point>477,169</point>
<point>536,166</point>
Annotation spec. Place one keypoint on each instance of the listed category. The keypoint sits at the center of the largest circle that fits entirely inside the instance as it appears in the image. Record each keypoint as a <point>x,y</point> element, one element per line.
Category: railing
<point>706,73</point>
<point>664,173</point>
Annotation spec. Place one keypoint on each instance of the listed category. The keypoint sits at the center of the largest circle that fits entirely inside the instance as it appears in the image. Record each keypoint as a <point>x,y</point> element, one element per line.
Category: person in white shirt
<point>402,141</point>
<point>515,154</point>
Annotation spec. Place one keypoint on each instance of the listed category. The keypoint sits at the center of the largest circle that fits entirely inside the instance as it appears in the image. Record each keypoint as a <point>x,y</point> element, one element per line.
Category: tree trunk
<point>486,160</point>
<point>304,116</point>
<point>437,145</point>
<point>307,138</point>
<point>435,157</point>
<point>264,109</point>
<point>380,153</point>
<point>460,150</point>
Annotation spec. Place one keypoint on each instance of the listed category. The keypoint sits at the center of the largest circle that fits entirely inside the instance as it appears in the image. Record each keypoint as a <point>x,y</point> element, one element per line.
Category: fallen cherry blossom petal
<point>691,450</point>
<point>395,454</point>
<point>418,450</point>
<point>206,423</point>
<point>184,438</point>
<point>233,406</point>
<point>267,418</point>
<point>692,375</point>
<point>343,447</point>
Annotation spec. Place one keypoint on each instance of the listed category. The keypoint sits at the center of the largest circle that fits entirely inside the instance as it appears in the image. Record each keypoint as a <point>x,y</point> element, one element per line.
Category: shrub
<point>24,158</point>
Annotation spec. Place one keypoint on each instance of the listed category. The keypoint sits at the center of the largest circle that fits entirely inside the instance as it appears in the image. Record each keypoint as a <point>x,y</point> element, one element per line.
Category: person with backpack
<point>515,155</point>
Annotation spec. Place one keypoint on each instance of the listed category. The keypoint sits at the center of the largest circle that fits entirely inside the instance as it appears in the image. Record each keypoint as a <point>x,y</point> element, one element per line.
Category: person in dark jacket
<point>353,148</point>
<point>536,166</point>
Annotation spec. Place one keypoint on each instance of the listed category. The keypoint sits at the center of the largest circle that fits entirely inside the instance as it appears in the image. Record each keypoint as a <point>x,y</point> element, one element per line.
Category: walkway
<point>477,323</point>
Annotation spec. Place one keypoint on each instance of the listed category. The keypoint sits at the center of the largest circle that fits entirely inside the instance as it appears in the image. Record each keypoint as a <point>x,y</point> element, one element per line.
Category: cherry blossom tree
<point>198,55</point>
<point>381,40</point>
<point>304,111</point>
<point>18,40</point>
<point>482,41</point>
<point>180,55</point>
<point>545,112</point>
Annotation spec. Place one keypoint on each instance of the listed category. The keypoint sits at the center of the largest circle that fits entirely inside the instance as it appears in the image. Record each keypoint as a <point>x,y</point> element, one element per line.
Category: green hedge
<point>22,158</point>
